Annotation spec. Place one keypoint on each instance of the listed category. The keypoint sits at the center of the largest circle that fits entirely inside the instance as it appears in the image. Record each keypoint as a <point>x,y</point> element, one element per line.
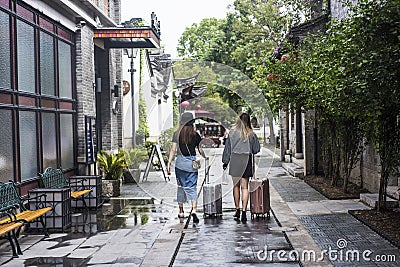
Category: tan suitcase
<point>259,197</point>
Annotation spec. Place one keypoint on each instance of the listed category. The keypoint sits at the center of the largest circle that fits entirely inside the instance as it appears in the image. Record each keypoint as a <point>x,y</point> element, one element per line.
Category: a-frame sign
<point>155,150</point>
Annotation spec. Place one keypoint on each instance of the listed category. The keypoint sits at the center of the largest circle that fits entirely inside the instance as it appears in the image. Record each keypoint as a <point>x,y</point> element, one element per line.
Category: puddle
<point>283,229</point>
<point>119,213</point>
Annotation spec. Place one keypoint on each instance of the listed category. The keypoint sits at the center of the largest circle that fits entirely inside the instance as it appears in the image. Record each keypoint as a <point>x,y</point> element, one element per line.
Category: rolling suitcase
<point>212,195</point>
<point>259,197</point>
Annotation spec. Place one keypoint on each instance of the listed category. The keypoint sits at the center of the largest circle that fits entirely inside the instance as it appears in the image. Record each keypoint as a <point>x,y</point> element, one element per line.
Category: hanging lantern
<point>197,107</point>
<point>185,104</point>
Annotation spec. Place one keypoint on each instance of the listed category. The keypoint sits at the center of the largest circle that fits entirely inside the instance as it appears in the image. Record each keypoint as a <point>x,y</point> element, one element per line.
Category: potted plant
<point>133,158</point>
<point>112,166</point>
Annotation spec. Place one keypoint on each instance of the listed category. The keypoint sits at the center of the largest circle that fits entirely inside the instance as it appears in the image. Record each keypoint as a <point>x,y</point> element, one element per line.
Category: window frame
<point>16,100</point>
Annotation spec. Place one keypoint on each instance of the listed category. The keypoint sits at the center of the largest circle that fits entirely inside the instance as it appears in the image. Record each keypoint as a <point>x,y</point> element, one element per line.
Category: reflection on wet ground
<point>117,214</point>
<point>91,232</point>
<point>65,262</point>
<point>224,241</point>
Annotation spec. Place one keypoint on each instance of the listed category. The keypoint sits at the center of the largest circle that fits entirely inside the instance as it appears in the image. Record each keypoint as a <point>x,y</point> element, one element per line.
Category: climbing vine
<point>143,131</point>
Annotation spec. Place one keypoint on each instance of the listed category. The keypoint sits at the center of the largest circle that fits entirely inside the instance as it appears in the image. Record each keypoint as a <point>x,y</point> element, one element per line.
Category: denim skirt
<point>187,185</point>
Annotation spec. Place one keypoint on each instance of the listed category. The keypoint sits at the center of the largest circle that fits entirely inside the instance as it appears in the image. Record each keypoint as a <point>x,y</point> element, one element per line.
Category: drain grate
<point>184,231</point>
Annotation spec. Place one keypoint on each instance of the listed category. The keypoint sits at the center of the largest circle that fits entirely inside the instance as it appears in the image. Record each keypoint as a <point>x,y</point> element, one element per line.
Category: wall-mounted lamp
<point>115,91</point>
<point>98,85</point>
<point>80,25</point>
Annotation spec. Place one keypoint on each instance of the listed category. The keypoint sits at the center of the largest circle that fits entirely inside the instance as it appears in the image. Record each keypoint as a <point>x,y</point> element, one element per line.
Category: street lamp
<point>132,53</point>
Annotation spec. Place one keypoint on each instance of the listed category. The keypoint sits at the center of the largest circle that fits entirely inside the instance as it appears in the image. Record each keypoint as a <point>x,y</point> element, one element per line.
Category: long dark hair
<point>186,133</point>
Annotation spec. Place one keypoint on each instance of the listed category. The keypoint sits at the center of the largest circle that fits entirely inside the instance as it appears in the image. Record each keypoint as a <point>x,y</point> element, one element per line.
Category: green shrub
<point>165,139</point>
<point>135,156</point>
<point>112,165</point>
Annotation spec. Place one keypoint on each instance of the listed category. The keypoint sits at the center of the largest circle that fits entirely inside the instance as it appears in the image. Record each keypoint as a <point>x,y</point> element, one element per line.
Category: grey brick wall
<point>308,143</point>
<point>366,173</point>
<point>84,85</point>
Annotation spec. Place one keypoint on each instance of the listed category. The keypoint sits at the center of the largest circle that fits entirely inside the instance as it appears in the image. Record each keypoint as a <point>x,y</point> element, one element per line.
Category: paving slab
<point>348,242</point>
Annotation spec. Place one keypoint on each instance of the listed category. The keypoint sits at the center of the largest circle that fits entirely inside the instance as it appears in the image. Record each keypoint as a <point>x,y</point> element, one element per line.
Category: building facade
<point>60,84</point>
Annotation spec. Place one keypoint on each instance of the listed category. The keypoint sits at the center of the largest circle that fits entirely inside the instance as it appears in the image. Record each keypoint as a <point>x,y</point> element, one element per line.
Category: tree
<point>350,76</point>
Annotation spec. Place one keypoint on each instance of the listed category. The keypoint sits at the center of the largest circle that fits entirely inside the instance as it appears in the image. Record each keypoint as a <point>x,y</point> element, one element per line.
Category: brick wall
<point>308,143</point>
<point>84,85</point>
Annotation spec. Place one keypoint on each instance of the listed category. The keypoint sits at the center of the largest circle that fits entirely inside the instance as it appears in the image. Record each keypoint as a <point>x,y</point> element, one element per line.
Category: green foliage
<point>143,131</point>
<point>165,139</point>
<point>135,156</point>
<point>141,135</point>
<point>350,76</point>
<point>200,41</point>
<point>112,165</point>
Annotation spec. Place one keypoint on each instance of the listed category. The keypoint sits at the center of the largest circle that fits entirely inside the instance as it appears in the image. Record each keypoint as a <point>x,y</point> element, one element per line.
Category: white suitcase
<point>212,195</point>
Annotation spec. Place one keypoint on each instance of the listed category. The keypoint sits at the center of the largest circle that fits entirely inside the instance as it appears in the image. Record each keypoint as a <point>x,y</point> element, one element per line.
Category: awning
<point>119,37</point>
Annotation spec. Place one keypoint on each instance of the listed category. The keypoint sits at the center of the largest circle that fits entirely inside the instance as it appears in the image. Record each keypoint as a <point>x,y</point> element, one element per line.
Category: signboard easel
<point>155,150</point>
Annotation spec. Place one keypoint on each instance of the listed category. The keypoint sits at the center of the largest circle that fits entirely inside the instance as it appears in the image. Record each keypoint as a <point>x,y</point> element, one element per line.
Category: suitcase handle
<point>207,170</point>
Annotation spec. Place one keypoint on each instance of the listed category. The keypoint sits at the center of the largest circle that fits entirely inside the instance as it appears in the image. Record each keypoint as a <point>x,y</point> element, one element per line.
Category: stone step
<point>393,192</point>
<point>294,169</point>
<point>372,200</point>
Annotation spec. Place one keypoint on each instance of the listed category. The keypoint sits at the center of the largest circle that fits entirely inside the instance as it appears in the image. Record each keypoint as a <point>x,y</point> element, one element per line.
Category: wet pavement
<point>141,228</point>
<point>120,232</point>
<point>225,242</point>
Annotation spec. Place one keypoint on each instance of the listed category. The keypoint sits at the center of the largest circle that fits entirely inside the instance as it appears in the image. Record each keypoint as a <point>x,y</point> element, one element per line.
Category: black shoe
<point>195,218</point>
<point>244,218</point>
<point>236,216</point>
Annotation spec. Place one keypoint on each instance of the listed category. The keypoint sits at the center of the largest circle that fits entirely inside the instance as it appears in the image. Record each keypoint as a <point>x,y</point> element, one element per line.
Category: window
<point>47,64</point>
<point>67,143</point>
<point>28,144</point>
<point>65,70</point>
<point>26,56</point>
<point>49,141</point>
<point>6,146</point>
<point>5,71</point>
<point>37,118</point>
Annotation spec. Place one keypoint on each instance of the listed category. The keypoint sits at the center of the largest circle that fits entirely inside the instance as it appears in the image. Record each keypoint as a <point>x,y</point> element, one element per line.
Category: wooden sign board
<point>155,150</point>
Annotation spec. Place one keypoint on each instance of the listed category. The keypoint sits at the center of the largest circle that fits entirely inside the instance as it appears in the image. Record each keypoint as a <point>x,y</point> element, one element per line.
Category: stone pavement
<point>141,228</point>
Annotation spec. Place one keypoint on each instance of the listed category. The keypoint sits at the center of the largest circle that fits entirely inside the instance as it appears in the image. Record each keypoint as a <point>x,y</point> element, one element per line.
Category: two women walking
<point>240,146</point>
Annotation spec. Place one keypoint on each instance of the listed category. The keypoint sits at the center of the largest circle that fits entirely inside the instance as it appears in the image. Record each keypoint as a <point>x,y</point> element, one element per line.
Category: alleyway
<point>141,228</point>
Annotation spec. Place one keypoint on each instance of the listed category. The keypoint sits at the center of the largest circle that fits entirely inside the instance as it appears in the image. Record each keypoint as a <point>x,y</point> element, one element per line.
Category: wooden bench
<point>15,214</point>
<point>55,178</point>
<point>7,231</point>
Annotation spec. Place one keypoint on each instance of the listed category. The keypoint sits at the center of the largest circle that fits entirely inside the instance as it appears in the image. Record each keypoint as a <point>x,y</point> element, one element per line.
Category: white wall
<point>159,116</point>
<point>127,99</point>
